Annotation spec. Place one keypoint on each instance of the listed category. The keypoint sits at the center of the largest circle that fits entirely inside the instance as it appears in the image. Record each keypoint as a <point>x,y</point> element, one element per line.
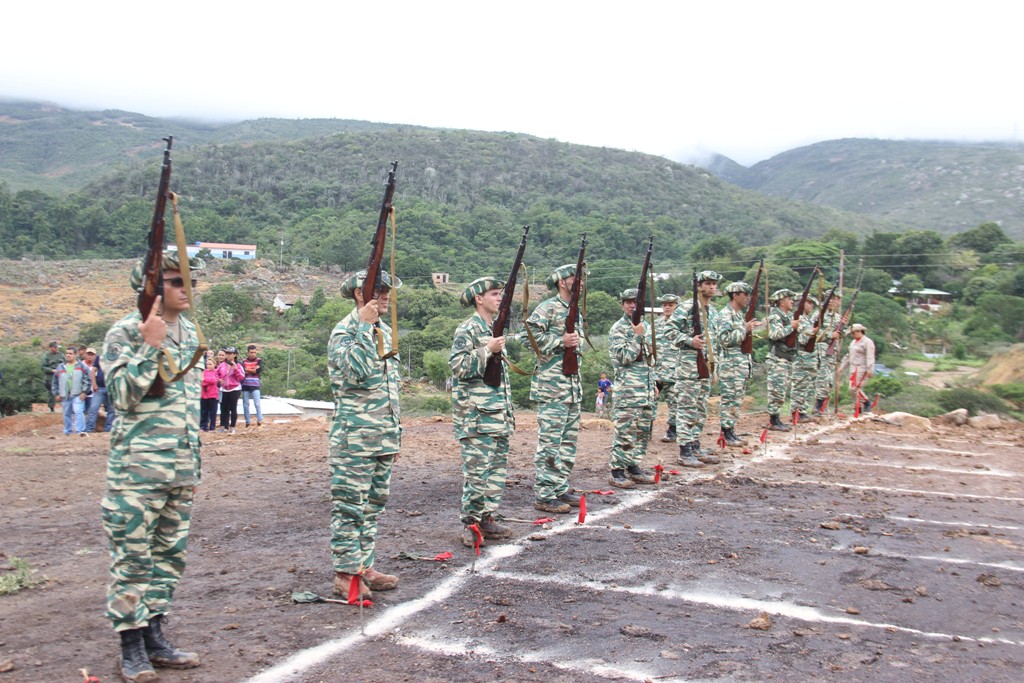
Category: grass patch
<point>20,576</point>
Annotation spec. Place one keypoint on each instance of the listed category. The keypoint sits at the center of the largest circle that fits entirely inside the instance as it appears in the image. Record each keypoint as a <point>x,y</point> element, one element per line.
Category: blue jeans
<point>255,395</point>
<point>74,415</point>
<point>99,398</point>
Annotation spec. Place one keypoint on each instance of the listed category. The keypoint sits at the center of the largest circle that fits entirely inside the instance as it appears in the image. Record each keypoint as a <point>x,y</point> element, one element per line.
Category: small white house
<point>246,252</point>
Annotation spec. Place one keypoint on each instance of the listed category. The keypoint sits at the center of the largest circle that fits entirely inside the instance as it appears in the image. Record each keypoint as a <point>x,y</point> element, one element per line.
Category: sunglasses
<point>178,282</point>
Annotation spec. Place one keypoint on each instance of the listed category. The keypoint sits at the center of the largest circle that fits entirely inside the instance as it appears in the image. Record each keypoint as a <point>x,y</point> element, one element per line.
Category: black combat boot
<point>670,435</point>
<point>687,457</point>
<point>704,456</point>
<point>729,434</point>
<point>161,652</point>
<point>777,425</point>
<point>638,475</point>
<point>618,478</point>
<point>803,417</point>
<point>865,407</point>
<point>570,498</point>
<point>819,406</point>
<point>135,665</point>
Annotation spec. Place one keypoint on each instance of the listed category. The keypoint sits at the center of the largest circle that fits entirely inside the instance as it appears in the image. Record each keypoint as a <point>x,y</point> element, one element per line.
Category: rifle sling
<point>529,334</point>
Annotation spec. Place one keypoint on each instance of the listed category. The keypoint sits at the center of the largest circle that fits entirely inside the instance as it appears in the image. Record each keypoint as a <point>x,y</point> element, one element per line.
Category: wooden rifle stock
<point>153,266</point>
<point>641,288</point>
<point>703,371</point>
<point>790,338</point>
<point>747,345</point>
<point>840,326</point>
<point>371,283</point>
<point>809,346</point>
<point>492,373</point>
<point>570,361</point>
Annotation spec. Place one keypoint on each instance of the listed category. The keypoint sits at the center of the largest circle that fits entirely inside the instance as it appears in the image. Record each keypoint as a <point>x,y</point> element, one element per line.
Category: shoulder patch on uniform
<point>114,351</point>
<point>460,343</point>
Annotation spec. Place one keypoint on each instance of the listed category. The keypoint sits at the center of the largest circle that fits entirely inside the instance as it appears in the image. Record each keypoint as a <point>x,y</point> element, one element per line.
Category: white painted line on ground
<point>918,520</point>
<point>889,489</point>
<point>1007,565</point>
<point>896,447</point>
<point>909,467</point>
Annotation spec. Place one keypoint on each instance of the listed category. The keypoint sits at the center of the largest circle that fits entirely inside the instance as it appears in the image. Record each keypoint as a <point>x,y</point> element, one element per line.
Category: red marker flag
<point>796,417</point>
<point>874,404</point>
<point>658,469</point>
<point>441,557</point>
<point>764,435</point>
<point>583,510</point>
<point>721,440</point>
<point>824,404</point>
<point>543,520</point>
<point>478,538</point>
<point>354,594</point>
<point>856,409</point>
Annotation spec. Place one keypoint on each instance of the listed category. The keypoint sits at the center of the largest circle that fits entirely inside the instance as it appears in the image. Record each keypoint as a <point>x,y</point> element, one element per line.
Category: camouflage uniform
<point>805,367</point>
<point>633,412</point>
<point>780,357</point>
<point>692,392</point>
<point>483,420</point>
<point>152,470</point>
<point>51,361</point>
<point>668,360</point>
<point>558,397</point>
<point>364,438</point>
<point>825,382</point>
<point>734,366</point>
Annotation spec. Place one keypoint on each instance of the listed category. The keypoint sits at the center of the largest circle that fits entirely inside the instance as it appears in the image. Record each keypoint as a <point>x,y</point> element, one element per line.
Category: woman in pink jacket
<point>208,399</point>
<point>229,375</point>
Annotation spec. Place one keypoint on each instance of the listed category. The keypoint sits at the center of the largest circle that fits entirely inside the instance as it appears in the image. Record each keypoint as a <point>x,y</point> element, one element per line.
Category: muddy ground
<point>854,551</point>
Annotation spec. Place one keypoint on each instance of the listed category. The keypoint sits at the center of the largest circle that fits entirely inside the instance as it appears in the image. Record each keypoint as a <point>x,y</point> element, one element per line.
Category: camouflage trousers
<point>692,412</point>
<point>670,394</point>
<point>805,372</point>
<point>632,434</point>
<point>359,490</point>
<point>733,374</point>
<point>484,466</point>
<point>779,370</point>
<point>558,428</point>
<point>826,380</point>
<point>147,529</point>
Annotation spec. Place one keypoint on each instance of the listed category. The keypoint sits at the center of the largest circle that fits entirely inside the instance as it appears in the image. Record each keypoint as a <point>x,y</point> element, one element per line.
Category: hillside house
<point>282,302</point>
<point>439,279</point>
<point>246,252</point>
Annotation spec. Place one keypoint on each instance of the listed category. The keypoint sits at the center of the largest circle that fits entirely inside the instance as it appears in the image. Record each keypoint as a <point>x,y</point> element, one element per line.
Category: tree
<point>435,364</point>
<point>20,382</point>
<point>985,238</point>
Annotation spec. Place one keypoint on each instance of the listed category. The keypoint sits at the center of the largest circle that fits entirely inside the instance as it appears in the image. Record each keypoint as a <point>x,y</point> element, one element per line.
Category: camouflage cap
<point>708,275</point>
<point>170,262</point>
<point>561,272</point>
<point>812,299</point>
<point>668,299</point>
<point>481,285</point>
<point>628,294</point>
<point>739,287</point>
<point>354,282</point>
<point>780,294</point>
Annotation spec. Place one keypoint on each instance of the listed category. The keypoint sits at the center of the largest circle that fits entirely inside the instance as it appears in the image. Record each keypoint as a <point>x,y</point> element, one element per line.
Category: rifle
<point>570,362</point>
<point>374,268</point>
<point>703,371</point>
<point>791,337</point>
<point>747,345</point>
<point>492,373</point>
<point>809,346</point>
<point>641,291</point>
<point>153,265</point>
<point>840,326</point>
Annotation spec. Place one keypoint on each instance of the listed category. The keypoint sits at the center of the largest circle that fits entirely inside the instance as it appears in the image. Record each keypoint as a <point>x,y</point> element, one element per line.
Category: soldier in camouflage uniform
<point>734,366</point>
<point>481,414</point>
<point>825,382</point>
<point>693,392</point>
<point>559,398</point>
<point>365,435</point>
<point>52,360</point>
<point>780,356</point>
<point>668,356</point>
<point>805,367</point>
<point>629,346</point>
<point>152,471</point>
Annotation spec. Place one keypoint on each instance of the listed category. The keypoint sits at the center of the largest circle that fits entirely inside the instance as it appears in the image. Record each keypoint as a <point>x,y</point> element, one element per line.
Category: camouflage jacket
<point>803,332</point>
<point>547,323</point>
<point>477,408</point>
<point>668,354</point>
<point>828,326</point>
<point>730,331</point>
<point>780,324</point>
<point>367,417</point>
<point>51,361</point>
<point>682,324</point>
<point>634,378</point>
<point>155,440</point>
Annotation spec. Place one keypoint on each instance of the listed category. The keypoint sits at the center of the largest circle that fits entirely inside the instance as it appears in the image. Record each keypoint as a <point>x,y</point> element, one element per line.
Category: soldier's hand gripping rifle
<point>641,291</point>
<point>747,345</point>
<point>570,361</point>
<point>703,370</point>
<point>809,346</point>
<point>372,283</point>
<point>791,337</point>
<point>833,345</point>
<point>492,373</point>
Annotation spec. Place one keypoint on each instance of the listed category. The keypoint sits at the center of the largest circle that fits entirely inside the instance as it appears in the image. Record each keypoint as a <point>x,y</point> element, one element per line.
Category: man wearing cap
<point>693,392</point>
<point>152,470</point>
<point>780,356</point>
<point>805,367</point>
<point>365,435</point>
<point>52,360</point>
<point>481,414</point>
<point>558,397</point>
<point>629,346</point>
<point>825,381</point>
<point>862,365</point>
<point>734,366</point>
<point>668,358</point>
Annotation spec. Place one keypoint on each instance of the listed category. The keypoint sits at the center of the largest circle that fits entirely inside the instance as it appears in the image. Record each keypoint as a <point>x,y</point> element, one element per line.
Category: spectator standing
<point>210,396</point>
<point>604,395</point>
<point>100,398</point>
<point>253,368</point>
<point>52,360</point>
<point>230,374</point>
<point>69,388</point>
<point>92,406</point>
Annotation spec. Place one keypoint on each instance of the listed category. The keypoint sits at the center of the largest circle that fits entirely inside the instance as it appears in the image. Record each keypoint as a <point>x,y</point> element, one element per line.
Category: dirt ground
<point>859,550</point>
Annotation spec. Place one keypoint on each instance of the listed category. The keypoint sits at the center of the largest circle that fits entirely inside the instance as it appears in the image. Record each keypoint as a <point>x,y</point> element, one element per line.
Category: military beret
<point>356,281</point>
<point>561,272</point>
<point>170,262</point>
<point>668,299</point>
<point>705,275</point>
<point>781,294</point>
<point>812,299</point>
<point>739,287</point>
<point>480,285</point>
<point>628,294</point>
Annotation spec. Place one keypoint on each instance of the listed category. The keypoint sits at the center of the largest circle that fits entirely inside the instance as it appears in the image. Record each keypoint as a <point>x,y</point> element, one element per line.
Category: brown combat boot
<point>469,538</point>
<point>638,475</point>
<point>343,581</point>
<point>618,478</point>
<point>494,531</point>
<point>554,506</point>
<point>379,581</point>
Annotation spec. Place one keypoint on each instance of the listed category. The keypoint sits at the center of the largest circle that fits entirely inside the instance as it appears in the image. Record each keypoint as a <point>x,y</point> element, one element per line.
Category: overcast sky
<point>745,79</point>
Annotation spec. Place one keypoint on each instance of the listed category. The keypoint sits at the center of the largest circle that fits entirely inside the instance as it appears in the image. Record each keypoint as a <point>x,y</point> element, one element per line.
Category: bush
<point>436,404</point>
<point>973,400</point>
<point>1010,392</point>
<point>22,382</point>
<point>886,386</point>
